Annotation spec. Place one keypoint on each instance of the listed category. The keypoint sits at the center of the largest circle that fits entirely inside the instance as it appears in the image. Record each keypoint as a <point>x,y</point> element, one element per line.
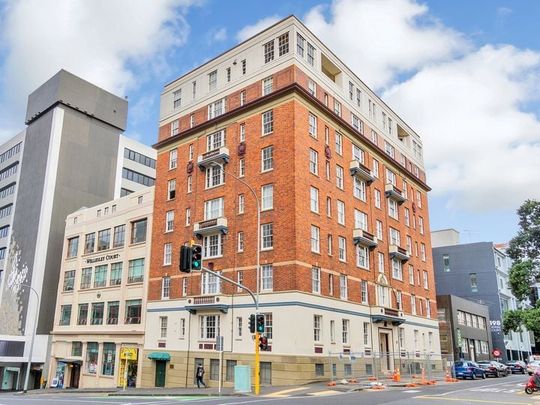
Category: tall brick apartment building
<point>346,272</point>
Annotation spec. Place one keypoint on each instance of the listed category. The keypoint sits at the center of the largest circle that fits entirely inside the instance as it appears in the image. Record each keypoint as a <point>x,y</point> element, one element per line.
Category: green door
<point>160,373</point>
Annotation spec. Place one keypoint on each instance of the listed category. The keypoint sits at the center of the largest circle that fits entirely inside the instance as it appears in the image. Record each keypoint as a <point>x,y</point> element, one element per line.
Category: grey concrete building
<point>464,328</point>
<point>70,155</point>
<point>479,272</point>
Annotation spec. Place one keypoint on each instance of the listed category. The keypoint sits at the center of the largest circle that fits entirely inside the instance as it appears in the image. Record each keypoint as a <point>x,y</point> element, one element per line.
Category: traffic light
<point>185,259</point>
<point>260,323</point>
<point>263,343</point>
<point>252,323</point>
<point>196,257</point>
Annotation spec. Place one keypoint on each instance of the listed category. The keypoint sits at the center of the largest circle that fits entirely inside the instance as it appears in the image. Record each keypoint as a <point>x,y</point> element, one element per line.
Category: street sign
<point>496,353</point>
<point>459,339</point>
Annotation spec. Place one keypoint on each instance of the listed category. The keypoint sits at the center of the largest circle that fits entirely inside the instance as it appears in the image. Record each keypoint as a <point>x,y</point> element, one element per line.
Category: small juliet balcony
<point>210,226</point>
<point>219,156</point>
<point>394,193</point>
<point>362,172</point>
<point>364,238</point>
<point>398,252</point>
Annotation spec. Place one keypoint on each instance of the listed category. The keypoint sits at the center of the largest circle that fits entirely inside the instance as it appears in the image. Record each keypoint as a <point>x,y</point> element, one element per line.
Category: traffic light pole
<point>256,301</point>
<point>258,272</point>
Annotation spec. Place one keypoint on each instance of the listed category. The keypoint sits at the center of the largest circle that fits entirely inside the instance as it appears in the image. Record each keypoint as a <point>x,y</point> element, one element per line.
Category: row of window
<point>282,46</point>
<point>7,190</point>
<point>138,235</point>
<point>136,177</point>
<point>383,292</point>
<point>360,218</point>
<point>132,313</point>
<point>479,346</point>
<point>9,171</point>
<point>98,276</point>
<point>474,321</point>
<point>139,158</point>
<point>10,152</point>
<point>108,358</point>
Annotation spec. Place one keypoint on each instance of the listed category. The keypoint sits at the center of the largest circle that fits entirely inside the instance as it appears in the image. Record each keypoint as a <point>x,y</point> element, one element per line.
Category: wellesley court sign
<point>104,258</point>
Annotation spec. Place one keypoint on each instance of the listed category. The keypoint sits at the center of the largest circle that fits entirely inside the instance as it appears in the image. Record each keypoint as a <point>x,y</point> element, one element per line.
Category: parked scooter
<point>531,387</point>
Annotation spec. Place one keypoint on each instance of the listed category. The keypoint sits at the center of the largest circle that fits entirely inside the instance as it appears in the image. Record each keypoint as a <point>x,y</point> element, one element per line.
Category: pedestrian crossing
<point>301,391</point>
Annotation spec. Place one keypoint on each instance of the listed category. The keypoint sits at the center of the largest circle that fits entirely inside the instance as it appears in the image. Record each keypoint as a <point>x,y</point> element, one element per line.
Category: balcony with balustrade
<point>364,238</point>
<point>217,156</point>
<point>360,171</point>
<point>210,226</point>
<point>394,193</point>
<point>398,252</point>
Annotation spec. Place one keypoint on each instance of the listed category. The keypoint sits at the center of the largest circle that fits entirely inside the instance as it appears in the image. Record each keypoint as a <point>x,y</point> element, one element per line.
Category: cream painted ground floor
<point>311,338</point>
<point>96,360</point>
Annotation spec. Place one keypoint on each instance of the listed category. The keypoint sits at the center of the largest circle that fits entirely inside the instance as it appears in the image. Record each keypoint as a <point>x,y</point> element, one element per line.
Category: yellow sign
<point>128,353</point>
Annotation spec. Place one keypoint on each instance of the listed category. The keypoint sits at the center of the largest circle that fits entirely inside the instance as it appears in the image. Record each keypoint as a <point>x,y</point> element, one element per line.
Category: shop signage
<point>102,258</point>
<point>128,353</point>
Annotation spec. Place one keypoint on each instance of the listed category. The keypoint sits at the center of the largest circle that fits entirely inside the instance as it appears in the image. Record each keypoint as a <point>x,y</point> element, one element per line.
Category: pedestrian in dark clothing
<point>199,375</point>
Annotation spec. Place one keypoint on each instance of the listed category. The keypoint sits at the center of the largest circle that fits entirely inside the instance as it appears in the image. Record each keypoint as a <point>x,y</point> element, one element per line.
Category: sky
<point>464,74</point>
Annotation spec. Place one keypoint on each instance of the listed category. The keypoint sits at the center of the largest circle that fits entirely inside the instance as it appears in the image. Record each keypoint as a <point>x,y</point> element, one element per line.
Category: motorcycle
<point>531,387</point>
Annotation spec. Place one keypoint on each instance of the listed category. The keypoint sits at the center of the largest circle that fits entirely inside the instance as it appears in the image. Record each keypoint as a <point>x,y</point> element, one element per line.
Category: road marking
<point>433,397</point>
<point>412,391</point>
<point>284,393</point>
<point>468,389</point>
<point>322,393</point>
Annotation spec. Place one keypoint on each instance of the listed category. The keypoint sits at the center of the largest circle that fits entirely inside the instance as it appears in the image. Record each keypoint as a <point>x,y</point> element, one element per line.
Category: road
<point>495,391</point>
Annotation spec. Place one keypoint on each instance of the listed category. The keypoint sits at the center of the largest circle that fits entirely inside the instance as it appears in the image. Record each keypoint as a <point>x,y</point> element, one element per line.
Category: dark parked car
<point>493,368</point>
<point>517,367</point>
<point>468,369</point>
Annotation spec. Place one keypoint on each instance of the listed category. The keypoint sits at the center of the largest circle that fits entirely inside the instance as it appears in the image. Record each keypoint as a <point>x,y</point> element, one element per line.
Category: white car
<point>533,366</point>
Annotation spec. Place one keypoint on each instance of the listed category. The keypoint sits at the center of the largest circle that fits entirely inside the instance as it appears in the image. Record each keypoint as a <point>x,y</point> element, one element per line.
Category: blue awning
<point>163,356</point>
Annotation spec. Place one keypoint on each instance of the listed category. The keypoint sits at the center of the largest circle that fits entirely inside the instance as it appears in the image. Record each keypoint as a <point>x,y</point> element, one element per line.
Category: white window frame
<point>315,239</point>
<point>314,199</point>
<point>267,197</point>
<point>316,280</point>
<point>313,162</point>
<point>342,249</point>
<point>167,254</point>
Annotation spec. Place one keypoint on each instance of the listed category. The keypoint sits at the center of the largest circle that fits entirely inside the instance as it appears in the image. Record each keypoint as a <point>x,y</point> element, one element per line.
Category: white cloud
<point>481,148</point>
<point>220,35</point>
<point>250,30</point>
<point>113,44</point>
<point>381,39</point>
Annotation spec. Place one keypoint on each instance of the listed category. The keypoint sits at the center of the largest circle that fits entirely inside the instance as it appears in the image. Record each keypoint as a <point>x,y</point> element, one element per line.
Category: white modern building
<point>70,155</point>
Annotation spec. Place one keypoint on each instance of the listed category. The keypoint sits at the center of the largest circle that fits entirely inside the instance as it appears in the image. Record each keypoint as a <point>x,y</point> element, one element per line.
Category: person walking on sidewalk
<point>200,374</point>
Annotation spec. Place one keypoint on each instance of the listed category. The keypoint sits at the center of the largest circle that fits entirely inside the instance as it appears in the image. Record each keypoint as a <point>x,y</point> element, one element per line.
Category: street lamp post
<point>257,360</point>
<point>34,331</point>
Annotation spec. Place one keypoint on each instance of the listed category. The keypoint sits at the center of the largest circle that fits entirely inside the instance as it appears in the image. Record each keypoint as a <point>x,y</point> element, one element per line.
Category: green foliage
<point>522,276</point>
<point>524,249</point>
<point>512,320</point>
<point>526,244</point>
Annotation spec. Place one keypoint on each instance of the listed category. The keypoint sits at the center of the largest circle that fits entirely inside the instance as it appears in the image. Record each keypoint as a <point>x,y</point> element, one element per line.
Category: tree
<point>524,250</point>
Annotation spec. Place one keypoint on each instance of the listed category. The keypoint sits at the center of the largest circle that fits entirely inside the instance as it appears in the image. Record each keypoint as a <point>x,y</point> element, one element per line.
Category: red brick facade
<point>291,216</point>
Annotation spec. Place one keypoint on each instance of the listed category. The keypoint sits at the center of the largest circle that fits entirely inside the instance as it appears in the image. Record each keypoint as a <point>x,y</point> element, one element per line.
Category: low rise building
<point>463,329</point>
<point>99,322</point>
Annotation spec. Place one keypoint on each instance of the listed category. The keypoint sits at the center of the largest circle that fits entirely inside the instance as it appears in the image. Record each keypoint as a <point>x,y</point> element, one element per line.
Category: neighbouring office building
<point>70,155</point>
<point>464,329</point>
<point>99,319</point>
<point>346,279</point>
<point>479,272</point>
